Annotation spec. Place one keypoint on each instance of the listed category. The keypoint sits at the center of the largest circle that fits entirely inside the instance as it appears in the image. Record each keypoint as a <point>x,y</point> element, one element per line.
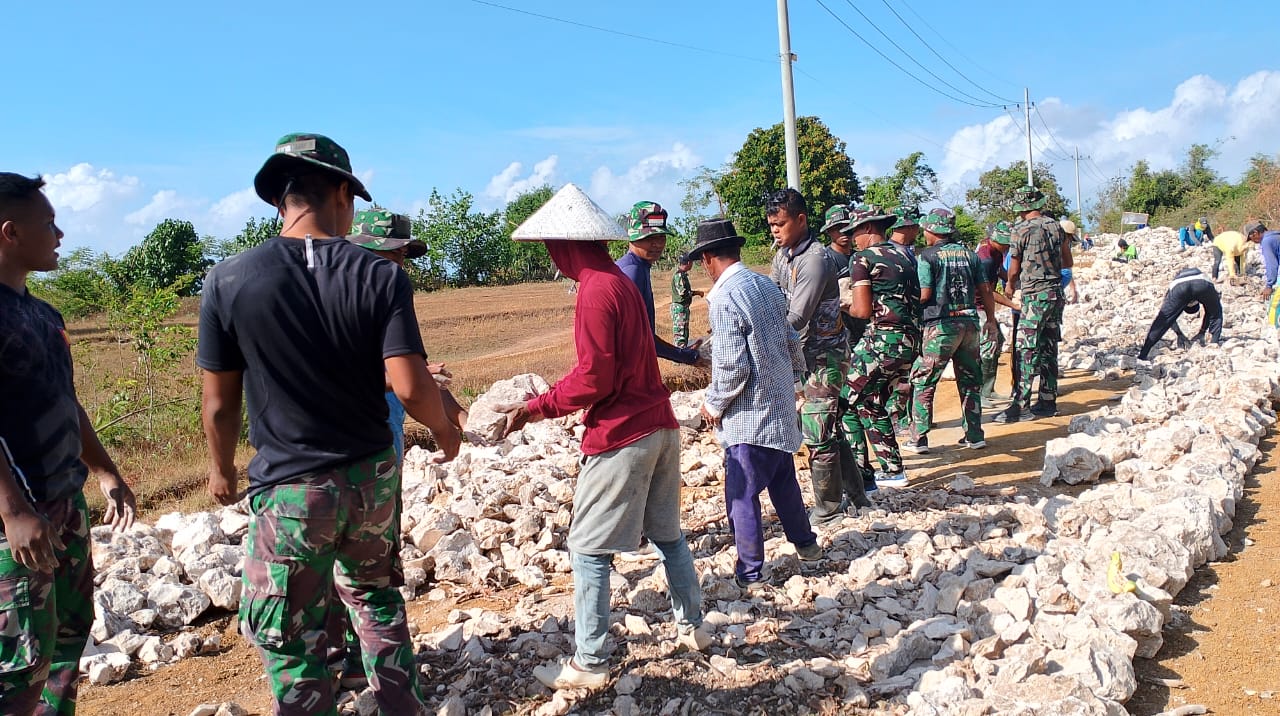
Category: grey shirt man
<point>807,276</point>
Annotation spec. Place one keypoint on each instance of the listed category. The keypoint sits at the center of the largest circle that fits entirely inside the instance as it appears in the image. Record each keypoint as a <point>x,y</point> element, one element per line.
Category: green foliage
<point>464,247</point>
<point>83,284</point>
<point>529,260</point>
<point>913,182</point>
<point>700,196</point>
<point>990,200</point>
<point>170,253</point>
<point>255,232</point>
<point>1108,205</point>
<point>971,232</point>
<point>760,167</point>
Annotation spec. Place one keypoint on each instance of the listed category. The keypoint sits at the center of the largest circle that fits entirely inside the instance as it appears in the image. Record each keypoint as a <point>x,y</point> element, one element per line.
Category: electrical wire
<point>620,33</point>
<point>940,57</point>
<point>903,50</point>
<point>888,59</point>
<point>1050,131</point>
<point>959,52</point>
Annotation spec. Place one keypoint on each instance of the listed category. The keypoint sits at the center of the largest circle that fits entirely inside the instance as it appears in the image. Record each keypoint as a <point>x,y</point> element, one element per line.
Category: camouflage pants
<point>1039,331</point>
<point>679,325</point>
<point>989,349</point>
<point>45,618</point>
<point>900,404</point>
<point>882,358</point>
<point>821,415</point>
<point>336,529</point>
<point>954,341</point>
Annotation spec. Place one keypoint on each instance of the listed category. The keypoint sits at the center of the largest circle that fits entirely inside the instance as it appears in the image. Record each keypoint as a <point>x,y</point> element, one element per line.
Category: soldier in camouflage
<point>902,236</point>
<point>807,275</point>
<point>681,300</point>
<point>991,256</point>
<point>1038,252</point>
<point>886,290</point>
<point>951,284</point>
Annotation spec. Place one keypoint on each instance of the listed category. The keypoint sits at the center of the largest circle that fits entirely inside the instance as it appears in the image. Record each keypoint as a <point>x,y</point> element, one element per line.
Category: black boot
<point>827,493</point>
<point>851,477</point>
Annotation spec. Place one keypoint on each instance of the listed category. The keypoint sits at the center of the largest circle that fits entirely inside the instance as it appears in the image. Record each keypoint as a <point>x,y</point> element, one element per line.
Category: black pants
<point>1217,261</point>
<point>1178,298</point>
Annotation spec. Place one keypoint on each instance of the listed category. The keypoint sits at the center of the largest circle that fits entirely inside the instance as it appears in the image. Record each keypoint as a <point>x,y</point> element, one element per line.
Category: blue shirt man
<point>647,231</point>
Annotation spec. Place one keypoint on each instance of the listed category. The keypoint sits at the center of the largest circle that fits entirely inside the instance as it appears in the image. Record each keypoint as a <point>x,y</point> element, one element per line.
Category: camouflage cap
<point>837,217</point>
<point>298,151</point>
<point>864,213</point>
<point>939,221</point>
<point>1028,198</point>
<point>381,230</point>
<point>647,218</point>
<point>907,216</point>
<point>1001,233</point>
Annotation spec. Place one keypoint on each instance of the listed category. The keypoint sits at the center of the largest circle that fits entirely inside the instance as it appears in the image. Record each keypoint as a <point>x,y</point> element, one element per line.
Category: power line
<point>620,33</point>
<point>1050,131</point>
<point>903,50</point>
<point>886,58</point>
<point>959,52</point>
<point>939,56</point>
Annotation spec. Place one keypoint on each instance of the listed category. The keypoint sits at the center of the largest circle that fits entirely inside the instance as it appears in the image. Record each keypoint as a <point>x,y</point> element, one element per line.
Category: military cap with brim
<point>1002,233</point>
<point>570,215</point>
<point>714,234</point>
<point>1028,198</point>
<point>381,230</point>
<point>860,214</point>
<point>837,218</point>
<point>646,218</point>
<point>940,222</point>
<point>299,152</point>
<point>907,216</point>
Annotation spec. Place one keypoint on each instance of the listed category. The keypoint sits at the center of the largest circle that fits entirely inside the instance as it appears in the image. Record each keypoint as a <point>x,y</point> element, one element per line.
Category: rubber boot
<point>851,477</point>
<point>827,492</point>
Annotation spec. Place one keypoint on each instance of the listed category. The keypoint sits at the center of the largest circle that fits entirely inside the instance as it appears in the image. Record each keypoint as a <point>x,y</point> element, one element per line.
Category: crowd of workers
<point>839,349</point>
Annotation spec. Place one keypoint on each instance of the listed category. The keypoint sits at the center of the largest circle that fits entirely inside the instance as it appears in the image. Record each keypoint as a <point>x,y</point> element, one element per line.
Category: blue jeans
<point>1186,237</point>
<point>591,597</point>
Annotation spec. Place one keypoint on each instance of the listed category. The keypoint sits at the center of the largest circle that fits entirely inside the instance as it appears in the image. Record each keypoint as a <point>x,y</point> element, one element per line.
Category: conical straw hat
<point>570,215</point>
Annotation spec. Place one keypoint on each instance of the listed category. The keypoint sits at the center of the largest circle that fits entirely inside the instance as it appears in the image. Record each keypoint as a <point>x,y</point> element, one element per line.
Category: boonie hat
<point>1028,198</point>
<point>907,216</point>
<point>1001,233</point>
<point>837,218</point>
<point>301,151</point>
<point>647,218</point>
<point>864,213</point>
<point>939,221</point>
<point>381,230</point>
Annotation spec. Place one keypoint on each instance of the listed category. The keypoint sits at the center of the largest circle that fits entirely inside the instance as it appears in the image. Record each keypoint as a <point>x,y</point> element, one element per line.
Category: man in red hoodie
<point>629,484</point>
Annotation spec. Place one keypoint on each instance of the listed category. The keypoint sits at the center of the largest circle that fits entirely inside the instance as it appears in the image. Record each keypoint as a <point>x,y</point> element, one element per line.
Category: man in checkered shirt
<point>756,368</point>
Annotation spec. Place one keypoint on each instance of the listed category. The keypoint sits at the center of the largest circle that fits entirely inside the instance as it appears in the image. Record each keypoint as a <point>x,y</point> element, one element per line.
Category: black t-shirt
<point>39,414</point>
<point>311,343</point>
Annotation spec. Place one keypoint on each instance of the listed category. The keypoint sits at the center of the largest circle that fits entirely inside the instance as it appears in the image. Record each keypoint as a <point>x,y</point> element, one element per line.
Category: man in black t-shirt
<point>306,324</point>
<point>47,449</point>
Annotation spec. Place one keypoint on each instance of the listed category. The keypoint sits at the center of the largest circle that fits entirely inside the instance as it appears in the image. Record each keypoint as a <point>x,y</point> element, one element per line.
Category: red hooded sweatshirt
<point>616,378</point>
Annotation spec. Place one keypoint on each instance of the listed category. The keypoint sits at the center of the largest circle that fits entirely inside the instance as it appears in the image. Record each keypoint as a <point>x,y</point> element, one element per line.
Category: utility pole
<point>1026,108</point>
<point>1079,206</point>
<point>788,97</point>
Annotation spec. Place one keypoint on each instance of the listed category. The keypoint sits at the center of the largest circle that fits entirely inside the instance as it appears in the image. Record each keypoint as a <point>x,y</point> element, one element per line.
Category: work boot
<point>1012,414</point>
<point>1044,408</point>
<point>851,478</point>
<point>827,492</point>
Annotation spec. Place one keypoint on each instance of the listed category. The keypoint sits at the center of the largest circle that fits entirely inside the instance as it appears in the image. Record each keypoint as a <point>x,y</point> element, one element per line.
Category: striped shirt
<point>756,361</point>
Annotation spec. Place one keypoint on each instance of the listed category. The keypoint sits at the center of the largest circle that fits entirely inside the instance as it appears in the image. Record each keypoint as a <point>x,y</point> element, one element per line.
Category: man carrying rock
<point>951,289</point>
<point>756,361</point>
<point>808,277</point>
<point>310,327</point>
<point>1188,292</point>
<point>886,290</point>
<point>48,447</point>
<point>629,483</point>
<point>647,231</point>
<point>1038,252</point>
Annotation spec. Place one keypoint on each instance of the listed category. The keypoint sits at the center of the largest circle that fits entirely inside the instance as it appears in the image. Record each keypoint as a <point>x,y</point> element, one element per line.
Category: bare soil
<point>1226,645</point>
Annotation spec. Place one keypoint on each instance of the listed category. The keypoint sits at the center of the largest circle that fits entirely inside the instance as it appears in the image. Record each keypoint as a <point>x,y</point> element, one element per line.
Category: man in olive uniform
<point>902,236</point>
<point>681,301</point>
<point>951,286</point>
<point>991,256</point>
<point>1038,251</point>
<point>886,290</point>
<point>805,272</point>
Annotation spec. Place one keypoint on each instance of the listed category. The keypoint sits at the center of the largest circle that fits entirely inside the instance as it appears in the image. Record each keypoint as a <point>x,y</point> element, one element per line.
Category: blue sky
<point>168,109</point>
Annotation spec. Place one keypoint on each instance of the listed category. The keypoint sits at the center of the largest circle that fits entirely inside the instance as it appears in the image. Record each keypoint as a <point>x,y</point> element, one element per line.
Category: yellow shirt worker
<point>1234,246</point>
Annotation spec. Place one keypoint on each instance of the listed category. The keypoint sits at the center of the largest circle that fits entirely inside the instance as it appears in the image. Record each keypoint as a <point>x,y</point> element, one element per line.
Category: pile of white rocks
<point>955,599</point>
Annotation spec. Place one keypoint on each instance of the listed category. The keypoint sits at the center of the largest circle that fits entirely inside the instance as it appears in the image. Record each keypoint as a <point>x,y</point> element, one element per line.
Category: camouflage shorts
<point>45,617</point>
<point>335,529</point>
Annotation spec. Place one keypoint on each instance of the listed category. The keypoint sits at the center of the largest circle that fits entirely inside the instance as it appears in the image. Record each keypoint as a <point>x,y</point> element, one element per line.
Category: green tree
<point>1108,205</point>
<point>255,232</point>
<point>528,260</point>
<point>912,182</point>
<point>991,199</point>
<point>83,284</point>
<point>1197,175</point>
<point>171,252</point>
<point>464,247</point>
<point>759,167</point>
<point>967,227</point>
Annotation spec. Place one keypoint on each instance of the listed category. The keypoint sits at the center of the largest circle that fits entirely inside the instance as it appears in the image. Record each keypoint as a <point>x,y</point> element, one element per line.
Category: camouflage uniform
<point>887,349</point>
<point>681,300</point>
<point>950,333</point>
<point>1037,245</point>
<point>45,617</point>
<point>991,343</point>
<point>338,528</point>
<point>900,398</point>
<point>826,353</point>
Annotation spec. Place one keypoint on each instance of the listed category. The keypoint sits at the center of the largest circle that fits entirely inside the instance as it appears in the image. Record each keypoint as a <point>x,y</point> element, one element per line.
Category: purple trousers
<point>748,471</point>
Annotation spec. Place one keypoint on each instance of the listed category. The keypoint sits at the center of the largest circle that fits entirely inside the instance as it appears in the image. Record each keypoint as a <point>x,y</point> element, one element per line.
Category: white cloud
<point>238,206</point>
<point>82,187</point>
<point>655,177</point>
<point>164,204</point>
<point>508,184</point>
